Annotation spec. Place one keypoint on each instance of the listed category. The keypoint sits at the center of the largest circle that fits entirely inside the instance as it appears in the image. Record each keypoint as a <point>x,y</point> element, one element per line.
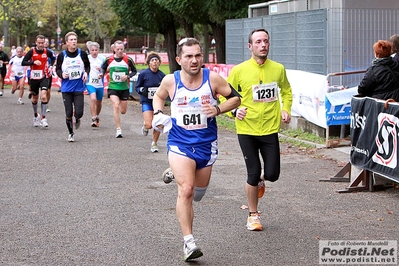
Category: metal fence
<point>320,41</point>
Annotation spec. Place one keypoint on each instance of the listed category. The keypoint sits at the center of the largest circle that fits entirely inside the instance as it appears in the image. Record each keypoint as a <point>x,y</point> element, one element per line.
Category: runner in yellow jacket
<point>266,102</point>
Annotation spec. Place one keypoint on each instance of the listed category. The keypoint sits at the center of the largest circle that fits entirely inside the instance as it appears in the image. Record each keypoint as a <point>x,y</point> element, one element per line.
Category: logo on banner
<point>386,141</point>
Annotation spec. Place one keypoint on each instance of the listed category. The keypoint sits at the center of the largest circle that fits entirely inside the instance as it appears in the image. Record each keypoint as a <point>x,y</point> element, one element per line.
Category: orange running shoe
<point>253,222</point>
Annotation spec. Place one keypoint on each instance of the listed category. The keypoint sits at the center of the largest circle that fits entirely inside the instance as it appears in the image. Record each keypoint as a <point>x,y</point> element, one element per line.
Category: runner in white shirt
<point>95,84</point>
<point>17,73</point>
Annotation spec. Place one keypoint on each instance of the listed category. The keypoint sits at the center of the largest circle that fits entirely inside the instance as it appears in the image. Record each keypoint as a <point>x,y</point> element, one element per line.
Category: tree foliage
<point>185,14</point>
<point>20,17</point>
<point>101,19</point>
<point>150,17</point>
<point>92,18</point>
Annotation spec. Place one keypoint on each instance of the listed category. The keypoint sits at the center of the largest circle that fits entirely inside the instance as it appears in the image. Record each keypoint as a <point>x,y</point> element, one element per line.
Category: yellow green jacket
<point>263,118</point>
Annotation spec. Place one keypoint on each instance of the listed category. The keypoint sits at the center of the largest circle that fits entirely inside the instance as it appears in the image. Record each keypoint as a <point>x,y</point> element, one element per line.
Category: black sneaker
<point>30,95</point>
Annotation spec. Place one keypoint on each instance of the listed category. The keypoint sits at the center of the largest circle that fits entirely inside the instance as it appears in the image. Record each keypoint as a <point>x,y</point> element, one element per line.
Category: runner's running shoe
<point>36,121</point>
<point>168,176</point>
<point>154,147</point>
<point>44,122</point>
<point>191,250</point>
<point>71,138</point>
<point>253,222</point>
<point>118,133</point>
<point>93,122</point>
<point>20,101</point>
<point>144,131</point>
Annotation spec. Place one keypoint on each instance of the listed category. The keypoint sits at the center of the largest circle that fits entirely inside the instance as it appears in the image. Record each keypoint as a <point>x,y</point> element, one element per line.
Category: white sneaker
<point>48,110</point>
<point>1,92</point>
<point>144,131</point>
<point>118,133</point>
<point>20,101</point>
<point>70,138</point>
<point>44,122</point>
<point>36,121</point>
<point>191,250</point>
<point>154,147</point>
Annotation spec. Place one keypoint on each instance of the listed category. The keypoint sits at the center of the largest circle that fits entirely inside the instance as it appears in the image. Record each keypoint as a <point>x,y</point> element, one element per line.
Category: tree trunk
<point>6,27</point>
<point>219,33</point>
<point>205,32</point>
<point>107,45</point>
<point>187,26</point>
<point>170,41</point>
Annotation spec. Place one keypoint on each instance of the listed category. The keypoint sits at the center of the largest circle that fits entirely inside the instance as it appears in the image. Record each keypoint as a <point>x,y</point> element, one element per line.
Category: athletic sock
<point>44,107</point>
<point>69,126</point>
<point>188,237</point>
<point>34,106</point>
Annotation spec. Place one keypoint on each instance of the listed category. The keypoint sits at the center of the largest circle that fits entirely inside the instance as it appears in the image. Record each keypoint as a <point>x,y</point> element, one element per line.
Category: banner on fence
<point>374,136</point>
<point>338,106</point>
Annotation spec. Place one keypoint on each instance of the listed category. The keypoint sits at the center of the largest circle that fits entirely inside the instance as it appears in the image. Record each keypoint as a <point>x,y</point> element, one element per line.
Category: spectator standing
<point>259,117</point>
<point>125,43</point>
<point>26,48</point>
<point>52,44</point>
<point>144,51</point>
<point>59,43</point>
<point>394,40</point>
<point>381,79</point>
<point>13,51</point>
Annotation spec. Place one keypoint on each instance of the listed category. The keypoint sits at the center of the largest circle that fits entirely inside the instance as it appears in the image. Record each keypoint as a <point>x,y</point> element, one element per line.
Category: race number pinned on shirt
<point>151,92</point>
<point>36,74</point>
<point>265,92</point>
<point>74,74</point>
<point>117,76</point>
<point>95,81</point>
<point>191,119</point>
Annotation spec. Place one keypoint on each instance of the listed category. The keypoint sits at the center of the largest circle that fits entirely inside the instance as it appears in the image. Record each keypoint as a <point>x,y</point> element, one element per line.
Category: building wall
<point>298,40</point>
<point>287,6</point>
<point>336,38</point>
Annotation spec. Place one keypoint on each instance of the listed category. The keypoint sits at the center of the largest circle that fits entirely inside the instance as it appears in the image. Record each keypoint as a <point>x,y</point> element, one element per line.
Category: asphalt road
<point>102,201</point>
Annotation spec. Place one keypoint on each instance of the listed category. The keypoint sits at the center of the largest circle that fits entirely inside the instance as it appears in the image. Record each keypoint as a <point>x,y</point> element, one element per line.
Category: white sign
<point>273,9</point>
<point>358,252</point>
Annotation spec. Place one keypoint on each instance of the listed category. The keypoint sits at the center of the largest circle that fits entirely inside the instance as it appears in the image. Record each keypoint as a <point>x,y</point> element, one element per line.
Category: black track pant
<point>269,149</point>
<point>73,102</point>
